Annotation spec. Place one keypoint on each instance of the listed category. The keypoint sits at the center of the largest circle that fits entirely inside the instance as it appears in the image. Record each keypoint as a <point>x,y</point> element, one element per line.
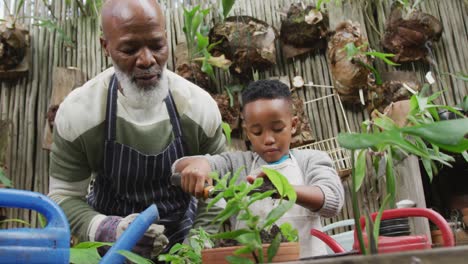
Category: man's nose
<point>145,59</point>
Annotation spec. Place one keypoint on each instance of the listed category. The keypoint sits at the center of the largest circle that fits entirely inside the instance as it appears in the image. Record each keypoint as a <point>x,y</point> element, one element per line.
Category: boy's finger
<point>250,179</point>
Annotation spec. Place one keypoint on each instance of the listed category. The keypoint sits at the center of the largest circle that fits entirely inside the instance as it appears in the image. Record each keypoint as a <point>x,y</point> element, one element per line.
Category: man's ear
<point>294,124</point>
<point>104,45</point>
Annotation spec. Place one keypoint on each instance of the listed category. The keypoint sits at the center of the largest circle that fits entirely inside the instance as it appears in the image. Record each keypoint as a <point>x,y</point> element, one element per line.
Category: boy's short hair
<point>265,89</point>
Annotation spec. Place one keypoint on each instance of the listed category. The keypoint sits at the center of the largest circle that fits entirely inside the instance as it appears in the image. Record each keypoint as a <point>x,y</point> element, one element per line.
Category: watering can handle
<point>130,237</point>
<point>50,244</point>
<point>35,201</point>
<point>435,217</point>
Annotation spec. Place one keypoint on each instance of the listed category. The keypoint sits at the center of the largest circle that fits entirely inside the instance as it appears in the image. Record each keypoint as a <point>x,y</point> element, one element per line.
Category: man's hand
<point>149,246</point>
<point>194,172</point>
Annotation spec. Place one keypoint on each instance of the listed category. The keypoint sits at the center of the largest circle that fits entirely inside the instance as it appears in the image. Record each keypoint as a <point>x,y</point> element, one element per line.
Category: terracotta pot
<point>287,252</point>
<point>437,239</point>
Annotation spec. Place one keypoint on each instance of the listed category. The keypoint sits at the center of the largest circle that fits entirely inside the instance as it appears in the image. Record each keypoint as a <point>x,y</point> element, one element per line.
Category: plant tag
<point>430,79</point>
<point>409,88</point>
<point>361,96</point>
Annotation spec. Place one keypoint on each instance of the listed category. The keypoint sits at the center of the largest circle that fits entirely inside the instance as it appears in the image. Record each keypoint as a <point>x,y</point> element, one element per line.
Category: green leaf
<point>84,256</point>
<point>379,217</point>
<point>4,179</point>
<point>19,221</point>
<point>465,155</point>
<point>89,244</point>
<point>238,260</point>
<point>202,42</point>
<point>235,177</point>
<point>383,56</point>
<point>227,131</point>
<point>390,177</point>
<point>277,212</point>
<point>212,45</point>
<point>372,241</point>
<point>289,232</point>
<point>360,171</point>
<point>227,6</point>
<point>443,133</point>
<point>230,234</point>
<point>53,27</point>
<point>425,161</point>
<point>42,220</point>
<point>243,250</point>
<point>281,184</point>
<point>273,248</point>
<point>134,257</point>
<point>384,122</point>
<point>18,7</point>
<point>216,199</point>
<point>230,210</point>
<point>260,196</point>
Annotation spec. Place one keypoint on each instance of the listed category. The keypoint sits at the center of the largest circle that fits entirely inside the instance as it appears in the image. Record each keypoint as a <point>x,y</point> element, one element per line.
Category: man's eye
<point>128,51</point>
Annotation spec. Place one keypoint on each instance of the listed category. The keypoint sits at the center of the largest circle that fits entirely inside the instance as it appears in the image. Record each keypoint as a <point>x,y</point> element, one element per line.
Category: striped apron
<point>131,181</point>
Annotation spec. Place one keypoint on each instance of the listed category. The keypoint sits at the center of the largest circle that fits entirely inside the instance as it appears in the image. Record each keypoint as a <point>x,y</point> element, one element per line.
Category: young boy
<point>270,124</point>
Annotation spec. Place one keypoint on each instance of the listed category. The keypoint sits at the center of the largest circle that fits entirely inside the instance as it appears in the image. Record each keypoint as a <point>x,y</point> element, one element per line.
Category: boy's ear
<point>294,124</point>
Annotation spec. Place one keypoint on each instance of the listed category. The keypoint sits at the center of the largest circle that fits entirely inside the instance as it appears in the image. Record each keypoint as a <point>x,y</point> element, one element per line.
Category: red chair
<point>400,243</point>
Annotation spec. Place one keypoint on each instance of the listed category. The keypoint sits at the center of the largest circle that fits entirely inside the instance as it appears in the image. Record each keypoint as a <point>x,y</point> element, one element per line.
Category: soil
<point>392,90</point>
<point>51,112</point>
<point>13,46</point>
<point>248,42</point>
<point>230,115</point>
<point>299,35</point>
<point>349,76</point>
<point>191,70</point>
<point>408,38</point>
<point>303,134</point>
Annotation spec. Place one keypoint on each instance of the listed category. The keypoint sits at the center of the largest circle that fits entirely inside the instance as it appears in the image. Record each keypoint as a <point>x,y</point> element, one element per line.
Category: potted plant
<point>194,61</point>
<point>350,60</point>
<point>304,29</point>
<point>409,33</point>
<point>248,42</point>
<point>384,142</point>
<point>14,41</point>
<point>281,242</point>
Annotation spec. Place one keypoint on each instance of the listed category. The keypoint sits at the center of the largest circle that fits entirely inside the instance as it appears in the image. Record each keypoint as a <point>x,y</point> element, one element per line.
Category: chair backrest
<point>345,239</point>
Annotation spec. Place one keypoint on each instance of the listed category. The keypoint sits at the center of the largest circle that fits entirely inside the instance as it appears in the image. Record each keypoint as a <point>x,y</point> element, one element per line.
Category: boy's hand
<point>195,175</point>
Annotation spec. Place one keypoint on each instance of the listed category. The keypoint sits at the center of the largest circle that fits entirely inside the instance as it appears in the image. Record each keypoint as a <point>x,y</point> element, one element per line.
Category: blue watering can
<point>52,243</point>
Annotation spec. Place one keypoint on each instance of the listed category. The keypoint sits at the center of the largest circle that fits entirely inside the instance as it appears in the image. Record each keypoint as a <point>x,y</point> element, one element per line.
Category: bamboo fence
<point>25,101</point>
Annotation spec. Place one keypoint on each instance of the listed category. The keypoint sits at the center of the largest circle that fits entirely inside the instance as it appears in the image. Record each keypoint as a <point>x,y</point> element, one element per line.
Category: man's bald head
<point>116,12</point>
<point>134,36</point>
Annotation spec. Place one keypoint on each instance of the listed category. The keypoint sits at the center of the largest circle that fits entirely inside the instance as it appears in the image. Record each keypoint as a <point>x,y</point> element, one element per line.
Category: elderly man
<point>123,129</point>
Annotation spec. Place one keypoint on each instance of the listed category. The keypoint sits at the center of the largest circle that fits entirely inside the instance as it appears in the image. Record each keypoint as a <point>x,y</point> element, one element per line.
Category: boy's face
<point>269,125</point>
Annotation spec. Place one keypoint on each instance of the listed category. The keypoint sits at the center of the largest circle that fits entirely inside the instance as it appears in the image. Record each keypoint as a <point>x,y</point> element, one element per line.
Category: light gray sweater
<point>315,165</point>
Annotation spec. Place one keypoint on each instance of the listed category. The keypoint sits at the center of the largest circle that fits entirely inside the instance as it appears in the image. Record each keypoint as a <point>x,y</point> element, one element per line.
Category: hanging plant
<point>409,33</point>
<point>14,40</point>
<point>350,73</point>
<point>248,42</point>
<point>396,86</point>
<point>194,61</point>
<point>304,29</point>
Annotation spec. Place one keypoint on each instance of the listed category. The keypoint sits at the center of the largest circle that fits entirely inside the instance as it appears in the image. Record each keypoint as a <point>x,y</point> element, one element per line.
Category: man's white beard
<point>142,97</point>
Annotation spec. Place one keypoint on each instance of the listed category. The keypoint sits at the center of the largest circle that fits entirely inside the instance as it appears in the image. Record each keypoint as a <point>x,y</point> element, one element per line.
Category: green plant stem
<point>378,79</point>
<point>356,212</point>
